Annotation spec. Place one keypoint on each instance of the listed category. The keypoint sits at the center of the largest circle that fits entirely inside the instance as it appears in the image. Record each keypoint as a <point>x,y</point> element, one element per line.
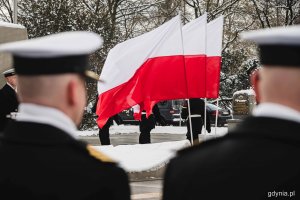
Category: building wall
<point>2,81</point>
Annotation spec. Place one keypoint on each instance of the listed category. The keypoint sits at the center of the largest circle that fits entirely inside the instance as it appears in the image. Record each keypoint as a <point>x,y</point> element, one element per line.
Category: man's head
<point>279,78</point>
<point>51,70</point>
<point>254,79</point>
<point>65,92</point>
<point>10,77</point>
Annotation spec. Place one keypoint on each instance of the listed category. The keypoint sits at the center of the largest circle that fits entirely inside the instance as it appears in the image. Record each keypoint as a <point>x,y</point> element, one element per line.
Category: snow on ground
<point>143,157</point>
<point>148,157</point>
<point>129,129</point>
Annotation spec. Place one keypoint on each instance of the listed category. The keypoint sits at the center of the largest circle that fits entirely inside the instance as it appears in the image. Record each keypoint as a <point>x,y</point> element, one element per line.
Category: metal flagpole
<point>15,11</point>
<point>205,103</point>
<point>217,114</point>
<point>190,123</point>
<point>180,111</point>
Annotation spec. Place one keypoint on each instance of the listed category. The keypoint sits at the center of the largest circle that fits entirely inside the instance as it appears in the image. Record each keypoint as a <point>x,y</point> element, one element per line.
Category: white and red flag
<point>194,43</point>
<point>214,36</point>
<point>142,70</point>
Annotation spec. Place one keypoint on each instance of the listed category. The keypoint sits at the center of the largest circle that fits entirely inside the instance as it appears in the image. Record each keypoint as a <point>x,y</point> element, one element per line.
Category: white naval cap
<point>9,72</point>
<point>278,46</point>
<point>59,53</point>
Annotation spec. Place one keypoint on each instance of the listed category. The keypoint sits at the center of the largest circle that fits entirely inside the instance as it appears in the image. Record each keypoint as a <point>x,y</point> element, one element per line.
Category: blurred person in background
<point>104,131</point>
<point>197,118</point>
<point>8,98</point>
<point>148,123</point>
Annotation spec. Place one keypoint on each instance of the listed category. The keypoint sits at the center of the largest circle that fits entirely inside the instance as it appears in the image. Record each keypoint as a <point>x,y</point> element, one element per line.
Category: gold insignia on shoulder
<point>98,155</point>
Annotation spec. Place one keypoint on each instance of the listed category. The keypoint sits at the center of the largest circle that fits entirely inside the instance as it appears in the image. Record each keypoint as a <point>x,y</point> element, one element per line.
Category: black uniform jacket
<point>197,108</point>
<point>42,162</point>
<point>149,123</point>
<point>261,156</point>
<point>8,103</point>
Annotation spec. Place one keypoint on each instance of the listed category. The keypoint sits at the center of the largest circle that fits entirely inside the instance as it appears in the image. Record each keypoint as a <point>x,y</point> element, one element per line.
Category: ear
<point>72,93</point>
<point>255,84</point>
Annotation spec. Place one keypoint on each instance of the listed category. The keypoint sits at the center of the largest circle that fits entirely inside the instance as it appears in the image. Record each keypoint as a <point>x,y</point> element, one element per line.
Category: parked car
<point>170,111</point>
<point>127,117</point>
<point>223,114</point>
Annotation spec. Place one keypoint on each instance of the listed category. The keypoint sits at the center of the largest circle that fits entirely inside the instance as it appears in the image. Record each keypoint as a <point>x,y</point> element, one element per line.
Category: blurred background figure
<point>147,124</point>
<point>197,116</point>
<point>254,78</point>
<point>8,98</point>
<point>104,131</point>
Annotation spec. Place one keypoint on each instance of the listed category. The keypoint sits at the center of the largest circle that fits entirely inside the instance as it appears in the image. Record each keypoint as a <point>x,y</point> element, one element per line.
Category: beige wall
<point>2,81</point>
<point>9,34</point>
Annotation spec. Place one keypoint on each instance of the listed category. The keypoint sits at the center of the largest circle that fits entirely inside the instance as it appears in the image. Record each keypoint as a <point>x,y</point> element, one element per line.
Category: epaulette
<point>98,155</point>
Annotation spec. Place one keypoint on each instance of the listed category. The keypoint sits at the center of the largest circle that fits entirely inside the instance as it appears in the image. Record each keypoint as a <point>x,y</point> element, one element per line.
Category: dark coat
<point>104,131</point>
<point>42,162</point>
<point>8,103</point>
<point>197,108</point>
<point>259,157</point>
<point>149,123</point>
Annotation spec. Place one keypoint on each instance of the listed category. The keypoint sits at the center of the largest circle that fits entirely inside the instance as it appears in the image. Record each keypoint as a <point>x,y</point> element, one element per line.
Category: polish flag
<point>194,43</point>
<point>142,70</point>
<point>214,36</point>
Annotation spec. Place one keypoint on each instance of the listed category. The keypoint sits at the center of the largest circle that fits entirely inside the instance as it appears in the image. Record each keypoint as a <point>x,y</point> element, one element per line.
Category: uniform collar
<point>276,111</point>
<point>46,115</point>
<point>11,86</point>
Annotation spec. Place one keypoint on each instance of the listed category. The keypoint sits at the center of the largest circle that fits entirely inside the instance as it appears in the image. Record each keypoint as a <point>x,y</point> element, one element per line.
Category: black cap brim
<point>50,66</point>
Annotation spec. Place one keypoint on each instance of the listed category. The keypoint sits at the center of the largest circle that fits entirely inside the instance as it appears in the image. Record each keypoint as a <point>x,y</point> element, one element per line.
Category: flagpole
<point>205,117</point>
<point>190,123</point>
<point>205,103</point>
<point>15,16</point>
<point>217,114</point>
<point>180,111</point>
<point>189,110</point>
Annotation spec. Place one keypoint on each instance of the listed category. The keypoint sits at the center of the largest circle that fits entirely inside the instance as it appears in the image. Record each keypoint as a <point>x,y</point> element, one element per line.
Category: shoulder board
<point>98,155</point>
